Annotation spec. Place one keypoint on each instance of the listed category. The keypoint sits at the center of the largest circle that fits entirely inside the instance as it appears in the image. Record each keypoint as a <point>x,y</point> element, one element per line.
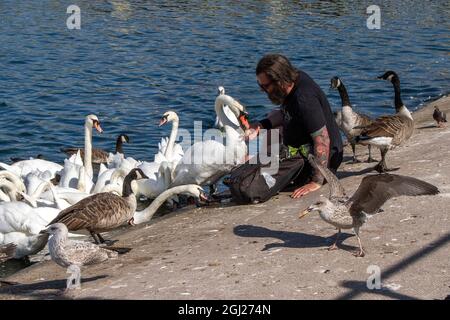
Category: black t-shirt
<point>306,110</point>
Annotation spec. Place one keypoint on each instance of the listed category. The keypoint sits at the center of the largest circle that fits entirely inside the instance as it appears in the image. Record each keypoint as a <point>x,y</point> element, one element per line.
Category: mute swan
<point>102,211</point>
<point>206,162</point>
<point>167,151</point>
<point>99,155</point>
<point>22,168</point>
<point>8,191</point>
<point>152,187</point>
<point>71,172</point>
<point>145,215</point>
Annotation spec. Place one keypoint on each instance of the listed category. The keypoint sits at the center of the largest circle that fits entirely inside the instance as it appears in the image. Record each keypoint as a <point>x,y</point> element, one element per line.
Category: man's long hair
<point>278,68</point>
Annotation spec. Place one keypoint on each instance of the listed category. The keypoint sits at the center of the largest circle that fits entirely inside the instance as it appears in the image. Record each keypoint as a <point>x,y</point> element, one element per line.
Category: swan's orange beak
<point>162,121</point>
<point>243,119</point>
<point>98,127</point>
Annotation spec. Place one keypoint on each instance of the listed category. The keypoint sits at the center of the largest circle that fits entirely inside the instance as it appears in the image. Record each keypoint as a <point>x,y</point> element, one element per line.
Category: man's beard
<point>277,95</point>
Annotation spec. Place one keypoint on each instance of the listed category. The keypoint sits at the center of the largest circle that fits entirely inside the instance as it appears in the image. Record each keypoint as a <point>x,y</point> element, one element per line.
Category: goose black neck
<point>344,95</point>
<point>398,99</point>
<point>119,145</point>
<point>126,189</point>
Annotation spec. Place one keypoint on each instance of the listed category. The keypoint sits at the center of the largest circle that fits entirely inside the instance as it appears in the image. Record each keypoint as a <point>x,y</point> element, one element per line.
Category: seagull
<point>7,251</point>
<point>73,254</point>
<point>347,213</point>
<point>439,116</point>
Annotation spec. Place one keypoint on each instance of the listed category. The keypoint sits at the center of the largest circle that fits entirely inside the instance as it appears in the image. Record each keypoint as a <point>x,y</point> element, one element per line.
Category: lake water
<point>133,60</point>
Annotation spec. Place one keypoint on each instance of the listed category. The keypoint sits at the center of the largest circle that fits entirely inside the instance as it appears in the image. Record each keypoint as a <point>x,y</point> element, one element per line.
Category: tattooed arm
<point>321,142</point>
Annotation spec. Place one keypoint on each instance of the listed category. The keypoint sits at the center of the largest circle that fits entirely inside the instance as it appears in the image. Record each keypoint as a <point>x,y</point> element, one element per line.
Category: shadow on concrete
<point>345,174</point>
<point>359,287</point>
<point>428,127</point>
<point>52,289</point>
<point>290,239</point>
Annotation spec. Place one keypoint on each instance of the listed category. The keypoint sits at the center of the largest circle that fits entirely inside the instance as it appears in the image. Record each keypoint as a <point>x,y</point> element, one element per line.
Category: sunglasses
<point>265,86</point>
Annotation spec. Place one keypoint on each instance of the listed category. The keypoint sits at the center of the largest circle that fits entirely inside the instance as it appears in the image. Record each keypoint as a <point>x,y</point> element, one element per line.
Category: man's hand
<point>253,131</point>
<point>307,188</point>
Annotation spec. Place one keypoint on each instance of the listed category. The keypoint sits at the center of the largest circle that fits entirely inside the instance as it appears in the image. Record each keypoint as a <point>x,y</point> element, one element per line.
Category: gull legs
<point>361,252</point>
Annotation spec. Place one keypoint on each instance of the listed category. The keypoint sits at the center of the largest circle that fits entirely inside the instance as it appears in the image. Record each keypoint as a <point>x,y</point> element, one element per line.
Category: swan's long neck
<point>233,133</point>
<point>147,214</point>
<point>14,179</point>
<point>173,135</point>
<point>345,100</point>
<point>88,150</point>
<point>10,188</point>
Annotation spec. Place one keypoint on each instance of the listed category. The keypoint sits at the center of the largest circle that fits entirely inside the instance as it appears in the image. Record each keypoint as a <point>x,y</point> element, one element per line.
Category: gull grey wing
<point>375,190</point>
<point>336,189</point>
<point>84,253</point>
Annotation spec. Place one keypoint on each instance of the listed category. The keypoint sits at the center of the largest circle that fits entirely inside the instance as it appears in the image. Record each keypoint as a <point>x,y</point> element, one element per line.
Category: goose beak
<point>163,121</point>
<point>98,127</point>
<point>304,212</point>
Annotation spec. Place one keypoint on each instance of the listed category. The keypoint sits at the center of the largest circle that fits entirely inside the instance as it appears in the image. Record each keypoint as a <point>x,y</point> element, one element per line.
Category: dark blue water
<point>133,60</point>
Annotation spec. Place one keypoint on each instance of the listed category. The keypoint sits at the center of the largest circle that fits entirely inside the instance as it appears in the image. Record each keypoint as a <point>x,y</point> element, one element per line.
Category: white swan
<point>71,172</point>
<point>21,223</point>
<point>12,177</point>
<point>151,188</point>
<point>173,152</point>
<point>146,214</point>
<point>206,162</point>
<point>8,191</point>
<point>167,149</point>
<point>24,167</point>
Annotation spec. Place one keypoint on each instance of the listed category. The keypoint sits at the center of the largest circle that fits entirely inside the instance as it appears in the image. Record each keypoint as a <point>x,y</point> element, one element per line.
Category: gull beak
<point>44,231</point>
<point>131,222</point>
<point>305,212</point>
<point>98,127</point>
<point>163,121</point>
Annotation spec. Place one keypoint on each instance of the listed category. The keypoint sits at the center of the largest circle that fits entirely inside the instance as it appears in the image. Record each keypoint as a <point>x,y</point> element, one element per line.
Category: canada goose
<point>102,211</point>
<point>346,213</point>
<point>347,119</point>
<point>439,116</point>
<point>145,215</point>
<point>387,132</point>
<point>100,155</point>
<point>74,254</point>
